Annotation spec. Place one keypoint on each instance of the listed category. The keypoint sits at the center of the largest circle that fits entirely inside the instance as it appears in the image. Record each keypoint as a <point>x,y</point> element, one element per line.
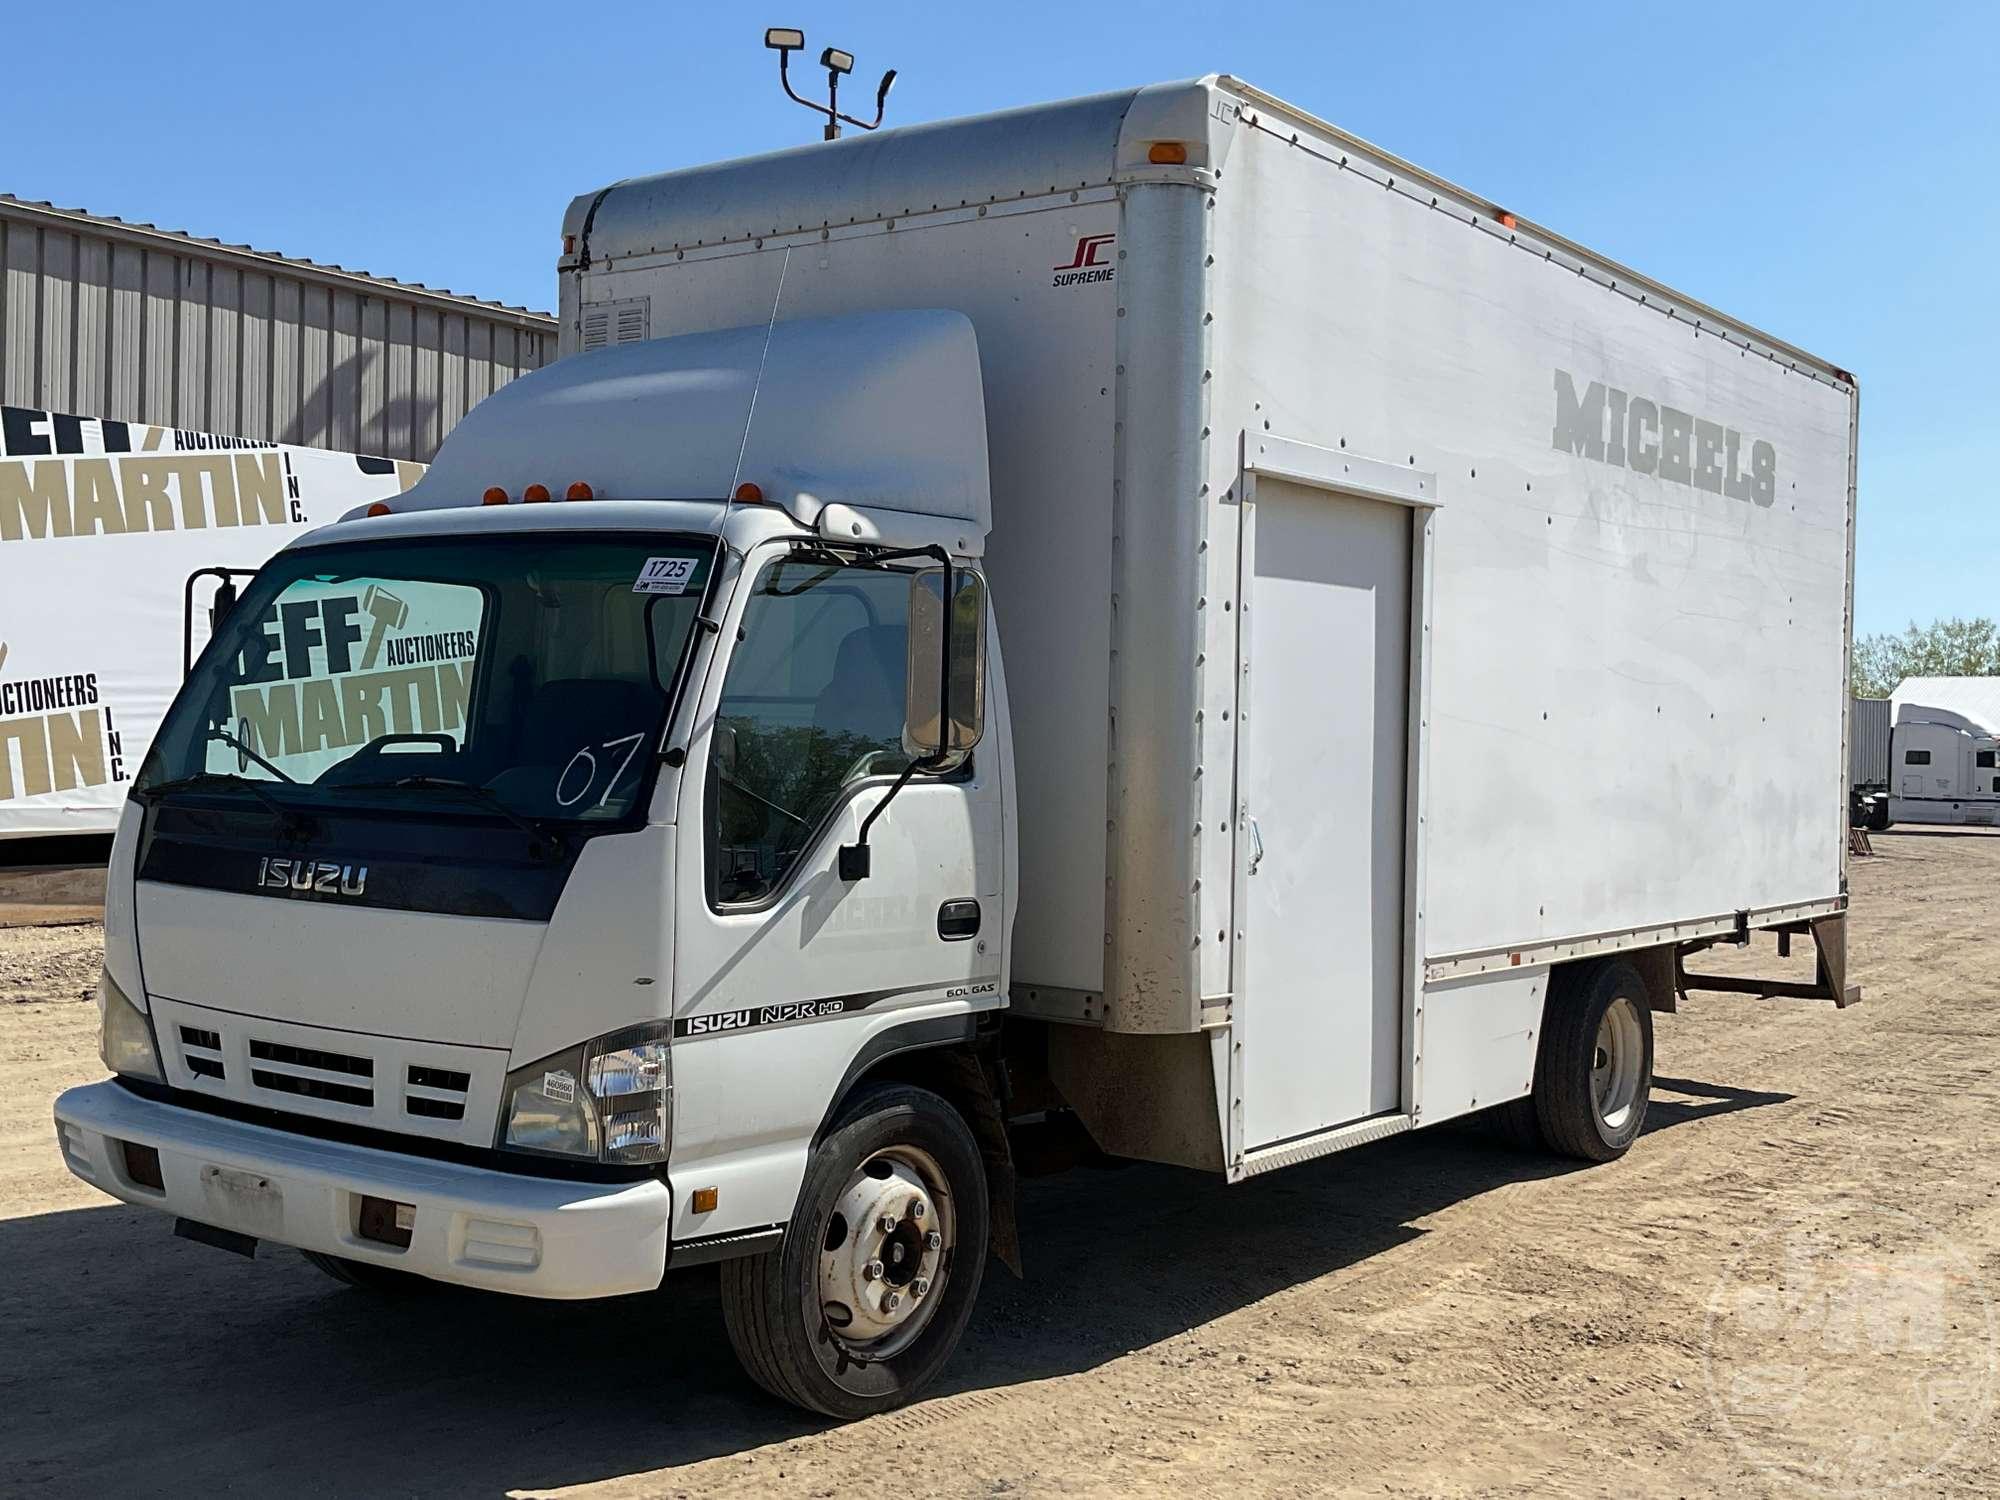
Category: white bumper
<point>535,1236</point>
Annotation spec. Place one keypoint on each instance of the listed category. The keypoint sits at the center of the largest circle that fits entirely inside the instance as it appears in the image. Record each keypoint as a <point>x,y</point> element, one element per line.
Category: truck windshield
<point>525,677</point>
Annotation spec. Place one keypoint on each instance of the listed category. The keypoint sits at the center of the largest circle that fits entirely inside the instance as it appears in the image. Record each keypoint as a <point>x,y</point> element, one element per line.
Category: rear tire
<point>366,1276</point>
<point>810,1321</point>
<point>1594,1076</point>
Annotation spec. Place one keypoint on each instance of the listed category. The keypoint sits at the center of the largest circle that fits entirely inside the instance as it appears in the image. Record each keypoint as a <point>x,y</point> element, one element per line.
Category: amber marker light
<point>535,493</point>
<point>580,491</point>
<point>494,496</point>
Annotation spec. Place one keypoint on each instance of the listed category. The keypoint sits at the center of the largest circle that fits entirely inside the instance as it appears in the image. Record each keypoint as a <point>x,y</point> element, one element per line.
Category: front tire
<point>1595,1074</point>
<point>861,1305</point>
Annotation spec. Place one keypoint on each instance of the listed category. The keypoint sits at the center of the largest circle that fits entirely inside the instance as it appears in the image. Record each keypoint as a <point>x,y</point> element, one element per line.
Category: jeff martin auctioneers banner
<point>101,523</point>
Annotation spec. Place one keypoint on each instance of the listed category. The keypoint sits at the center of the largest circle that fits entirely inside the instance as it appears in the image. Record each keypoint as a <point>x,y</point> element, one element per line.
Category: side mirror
<point>935,689</point>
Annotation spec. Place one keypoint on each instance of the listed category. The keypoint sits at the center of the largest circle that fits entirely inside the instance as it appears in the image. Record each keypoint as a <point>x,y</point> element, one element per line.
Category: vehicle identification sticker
<point>560,1087</point>
<point>665,575</point>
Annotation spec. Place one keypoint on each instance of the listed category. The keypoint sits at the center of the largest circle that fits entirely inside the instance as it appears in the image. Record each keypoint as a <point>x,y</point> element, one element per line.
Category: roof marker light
<point>379,509</point>
<point>494,496</point>
<point>535,493</point>
<point>749,494</point>
<point>1167,154</point>
<point>1507,220</point>
<point>580,491</point>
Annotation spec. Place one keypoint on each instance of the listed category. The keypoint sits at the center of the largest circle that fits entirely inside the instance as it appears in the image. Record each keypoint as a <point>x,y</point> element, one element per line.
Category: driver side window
<point>814,702</point>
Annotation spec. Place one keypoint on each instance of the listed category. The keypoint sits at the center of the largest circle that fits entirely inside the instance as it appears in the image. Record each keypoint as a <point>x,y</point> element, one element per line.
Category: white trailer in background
<point>1868,728</point>
<point>1945,751</point>
<point>101,524</point>
<point>1323,509</point>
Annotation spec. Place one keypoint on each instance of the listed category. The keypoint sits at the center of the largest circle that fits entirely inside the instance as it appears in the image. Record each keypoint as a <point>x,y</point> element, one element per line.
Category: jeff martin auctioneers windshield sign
<point>101,523</point>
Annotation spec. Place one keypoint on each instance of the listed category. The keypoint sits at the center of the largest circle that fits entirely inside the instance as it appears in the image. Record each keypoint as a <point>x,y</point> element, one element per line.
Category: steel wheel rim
<point>1617,1064</point>
<point>879,1287</point>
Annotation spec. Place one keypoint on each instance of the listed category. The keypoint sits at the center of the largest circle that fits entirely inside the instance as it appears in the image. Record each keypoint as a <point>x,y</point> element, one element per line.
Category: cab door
<point>784,972</point>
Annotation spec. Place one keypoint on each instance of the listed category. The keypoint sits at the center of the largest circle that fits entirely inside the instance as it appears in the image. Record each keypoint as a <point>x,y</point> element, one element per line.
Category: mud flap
<point>1830,938</point>
<point>978,1094</point>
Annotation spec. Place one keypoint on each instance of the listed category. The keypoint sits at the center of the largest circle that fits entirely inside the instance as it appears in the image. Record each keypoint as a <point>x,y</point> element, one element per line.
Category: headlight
<point>124,1036</point>
<point>608,1099</point>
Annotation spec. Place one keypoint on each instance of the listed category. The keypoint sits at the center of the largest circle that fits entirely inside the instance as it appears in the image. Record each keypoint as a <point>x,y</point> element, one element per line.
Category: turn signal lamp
<point>749,494</point>
<point>1167,154</point>
<point>534,493</point>
<point>494,496</point>
<point>378,509</point>
<point>580,491</point>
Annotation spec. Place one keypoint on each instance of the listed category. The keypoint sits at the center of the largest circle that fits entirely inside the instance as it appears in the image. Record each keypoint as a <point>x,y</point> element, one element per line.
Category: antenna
<point>785,40</point>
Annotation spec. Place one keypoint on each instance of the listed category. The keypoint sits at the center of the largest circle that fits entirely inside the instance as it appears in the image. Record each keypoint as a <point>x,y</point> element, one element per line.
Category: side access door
<point>1331,586</point>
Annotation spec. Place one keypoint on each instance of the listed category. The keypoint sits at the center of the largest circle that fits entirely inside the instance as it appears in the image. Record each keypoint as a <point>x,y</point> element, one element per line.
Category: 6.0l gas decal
<point>1611,426</point>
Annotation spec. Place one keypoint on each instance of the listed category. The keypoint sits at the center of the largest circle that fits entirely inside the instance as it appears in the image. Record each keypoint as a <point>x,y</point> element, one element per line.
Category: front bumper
<point>534,1236</point>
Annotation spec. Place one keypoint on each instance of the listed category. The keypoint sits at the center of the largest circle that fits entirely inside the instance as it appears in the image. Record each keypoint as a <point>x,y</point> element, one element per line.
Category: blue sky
<point>1827,172</point>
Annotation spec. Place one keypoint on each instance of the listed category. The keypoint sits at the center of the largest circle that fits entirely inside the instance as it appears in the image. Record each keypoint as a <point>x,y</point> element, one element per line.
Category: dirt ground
<point>1781,1290</point>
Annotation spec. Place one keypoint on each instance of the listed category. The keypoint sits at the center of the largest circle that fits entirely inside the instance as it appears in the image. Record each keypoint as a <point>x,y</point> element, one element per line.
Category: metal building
<point>102,318</point>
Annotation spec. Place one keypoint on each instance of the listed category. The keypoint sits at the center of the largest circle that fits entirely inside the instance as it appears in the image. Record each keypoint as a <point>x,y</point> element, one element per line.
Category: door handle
<point>958,920</point>
<point>1256,846</point>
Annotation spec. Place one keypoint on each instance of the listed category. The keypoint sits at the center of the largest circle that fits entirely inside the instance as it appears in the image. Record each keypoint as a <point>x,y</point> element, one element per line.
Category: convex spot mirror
<point>965,696</point>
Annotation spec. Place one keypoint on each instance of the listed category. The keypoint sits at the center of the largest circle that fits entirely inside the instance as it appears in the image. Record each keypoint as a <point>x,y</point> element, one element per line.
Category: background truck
<point>1944,751</point>
<point>1403,612</point>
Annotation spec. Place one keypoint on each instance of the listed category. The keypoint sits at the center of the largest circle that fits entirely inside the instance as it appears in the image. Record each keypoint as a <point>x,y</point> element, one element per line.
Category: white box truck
<point>1145,615</point>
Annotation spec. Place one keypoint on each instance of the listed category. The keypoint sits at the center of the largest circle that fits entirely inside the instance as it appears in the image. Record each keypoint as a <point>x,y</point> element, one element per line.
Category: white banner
<point>101,524</point>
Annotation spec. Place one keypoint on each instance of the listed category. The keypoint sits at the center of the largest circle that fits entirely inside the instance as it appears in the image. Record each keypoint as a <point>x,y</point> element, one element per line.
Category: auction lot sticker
<point>1850,1352</point>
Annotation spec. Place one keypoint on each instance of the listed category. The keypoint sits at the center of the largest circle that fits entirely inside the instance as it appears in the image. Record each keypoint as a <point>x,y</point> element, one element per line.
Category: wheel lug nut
<point>893,1301</point>
<point>921,1286</point>
<point>917,1209</point>
<point>933,1241</point>
<point>872,1271</point>
<point>887,1224</point>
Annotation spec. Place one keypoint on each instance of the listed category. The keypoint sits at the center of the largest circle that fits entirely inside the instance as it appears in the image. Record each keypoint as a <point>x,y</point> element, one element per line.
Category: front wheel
<point>864,1301</point>
<point>1595,1073</point>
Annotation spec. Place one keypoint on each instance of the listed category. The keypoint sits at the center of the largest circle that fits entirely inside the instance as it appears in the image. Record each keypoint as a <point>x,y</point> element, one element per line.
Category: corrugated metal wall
<point>104,319</point>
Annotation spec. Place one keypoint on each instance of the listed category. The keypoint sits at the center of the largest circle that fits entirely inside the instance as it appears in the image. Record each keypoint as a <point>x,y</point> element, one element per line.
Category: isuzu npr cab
<point>1146,614</point>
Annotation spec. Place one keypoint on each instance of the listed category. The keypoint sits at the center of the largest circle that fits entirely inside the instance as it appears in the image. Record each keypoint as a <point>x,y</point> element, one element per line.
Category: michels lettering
<point>1610,426</point>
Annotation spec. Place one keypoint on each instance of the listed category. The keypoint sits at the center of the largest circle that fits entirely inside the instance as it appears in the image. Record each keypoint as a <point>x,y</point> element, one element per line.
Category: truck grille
<point>436,1093</point>
<point>201,1050</point>
<point>434,1089</point>
<point>309,1073</point>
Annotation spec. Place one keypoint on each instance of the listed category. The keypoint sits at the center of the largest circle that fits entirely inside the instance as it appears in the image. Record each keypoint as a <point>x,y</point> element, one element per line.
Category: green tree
<point>1944,648</point>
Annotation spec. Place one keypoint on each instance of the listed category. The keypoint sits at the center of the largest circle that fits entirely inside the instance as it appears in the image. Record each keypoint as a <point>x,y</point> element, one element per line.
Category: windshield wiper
<point>484,795</point>
<point>291,816</point>
<point>217,732</point>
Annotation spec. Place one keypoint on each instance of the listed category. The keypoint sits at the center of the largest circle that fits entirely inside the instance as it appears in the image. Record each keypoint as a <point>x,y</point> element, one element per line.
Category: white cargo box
<point>1396,598</point>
